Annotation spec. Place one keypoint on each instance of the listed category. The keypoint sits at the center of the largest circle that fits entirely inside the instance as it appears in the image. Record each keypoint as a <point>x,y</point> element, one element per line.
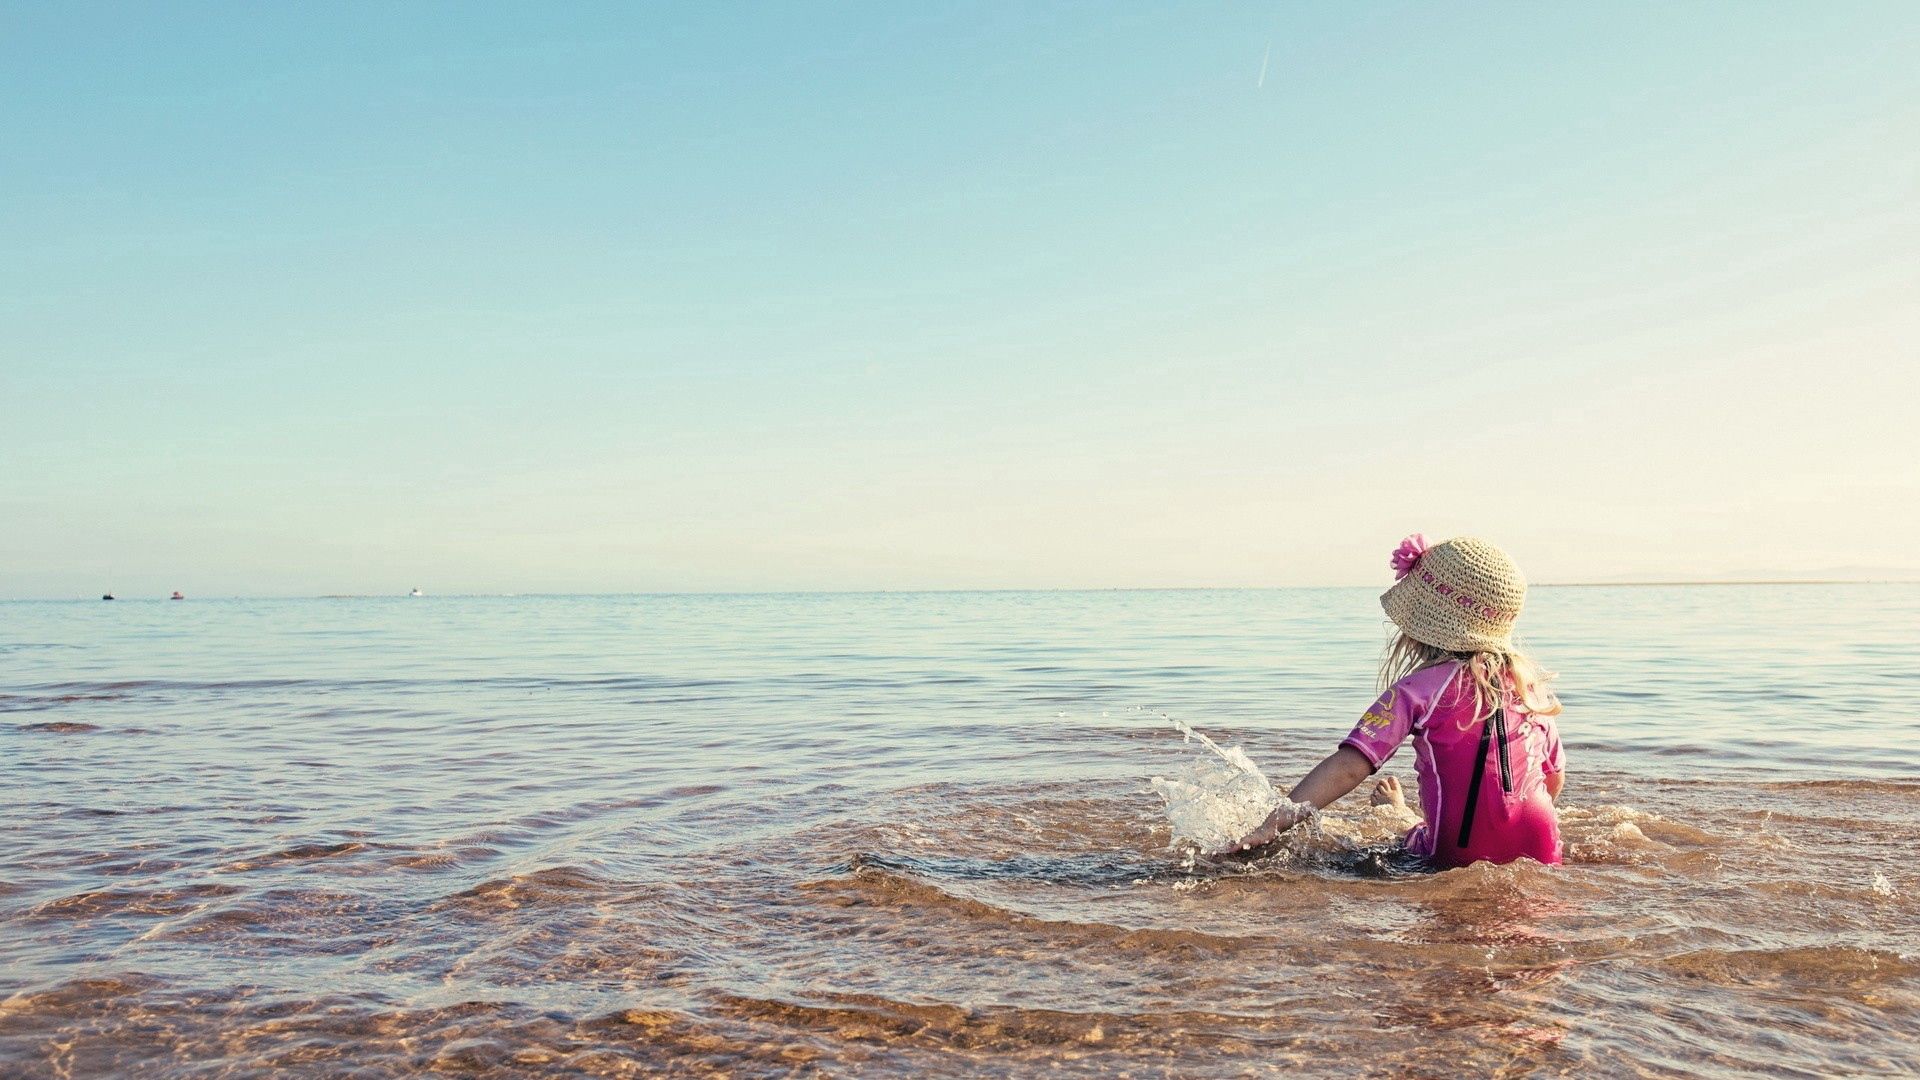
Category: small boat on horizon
<point>106,596</point>
<point>176,595</point>
<point>416,592</point>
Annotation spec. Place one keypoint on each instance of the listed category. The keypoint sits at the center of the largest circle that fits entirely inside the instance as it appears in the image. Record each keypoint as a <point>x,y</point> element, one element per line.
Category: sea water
<point>915,834</point>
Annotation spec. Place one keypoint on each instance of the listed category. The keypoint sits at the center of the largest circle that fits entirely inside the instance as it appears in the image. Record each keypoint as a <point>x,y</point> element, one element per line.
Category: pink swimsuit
<point>1512,814</point>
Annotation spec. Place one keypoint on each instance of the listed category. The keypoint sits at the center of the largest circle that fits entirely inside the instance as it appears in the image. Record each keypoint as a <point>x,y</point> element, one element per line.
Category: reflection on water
<point>913,834</point>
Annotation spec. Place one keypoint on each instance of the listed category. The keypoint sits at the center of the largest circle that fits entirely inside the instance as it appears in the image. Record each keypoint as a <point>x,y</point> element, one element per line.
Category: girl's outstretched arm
<point>1339,773</point>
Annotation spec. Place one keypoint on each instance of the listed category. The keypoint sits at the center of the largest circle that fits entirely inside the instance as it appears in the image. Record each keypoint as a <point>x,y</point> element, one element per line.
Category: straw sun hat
<point>1461,595</point>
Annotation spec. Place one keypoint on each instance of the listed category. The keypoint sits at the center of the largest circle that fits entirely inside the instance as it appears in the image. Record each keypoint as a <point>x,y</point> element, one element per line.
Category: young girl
<point>1481,717</point>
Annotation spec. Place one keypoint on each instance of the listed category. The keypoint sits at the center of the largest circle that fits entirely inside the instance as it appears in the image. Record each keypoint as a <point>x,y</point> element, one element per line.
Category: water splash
<point>1215,801</point>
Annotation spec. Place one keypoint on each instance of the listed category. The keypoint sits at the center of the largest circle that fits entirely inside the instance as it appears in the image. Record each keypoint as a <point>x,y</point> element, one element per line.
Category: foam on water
<point>1215,801</point>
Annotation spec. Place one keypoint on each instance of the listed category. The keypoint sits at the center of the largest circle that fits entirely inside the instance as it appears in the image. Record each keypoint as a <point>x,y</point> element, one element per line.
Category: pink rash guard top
<point>1435,706</point>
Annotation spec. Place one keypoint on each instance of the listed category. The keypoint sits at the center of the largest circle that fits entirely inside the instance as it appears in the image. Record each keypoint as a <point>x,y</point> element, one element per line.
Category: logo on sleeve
<point>1380,716</point>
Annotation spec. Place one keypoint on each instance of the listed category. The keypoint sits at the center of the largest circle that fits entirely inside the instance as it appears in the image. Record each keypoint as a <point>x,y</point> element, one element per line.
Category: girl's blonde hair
<point>1505,675</point>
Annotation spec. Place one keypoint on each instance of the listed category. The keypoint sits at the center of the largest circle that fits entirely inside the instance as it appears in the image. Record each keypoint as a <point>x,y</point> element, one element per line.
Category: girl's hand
<point>1284,817</point>
<point>1340,773</point>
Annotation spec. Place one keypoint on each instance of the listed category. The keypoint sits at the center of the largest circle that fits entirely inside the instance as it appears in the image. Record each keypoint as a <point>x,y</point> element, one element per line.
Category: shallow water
<point>908,834</point>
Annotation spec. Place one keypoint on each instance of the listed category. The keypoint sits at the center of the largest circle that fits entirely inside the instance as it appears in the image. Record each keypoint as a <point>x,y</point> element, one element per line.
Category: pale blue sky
<point>350,298</point>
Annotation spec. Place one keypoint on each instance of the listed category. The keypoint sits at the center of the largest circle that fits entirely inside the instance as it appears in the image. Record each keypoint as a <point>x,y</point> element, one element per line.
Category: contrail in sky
<point>1268,55</point>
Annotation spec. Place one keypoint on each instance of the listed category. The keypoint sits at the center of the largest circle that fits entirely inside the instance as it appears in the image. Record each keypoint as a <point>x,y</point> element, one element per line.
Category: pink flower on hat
<point>1407,555</point>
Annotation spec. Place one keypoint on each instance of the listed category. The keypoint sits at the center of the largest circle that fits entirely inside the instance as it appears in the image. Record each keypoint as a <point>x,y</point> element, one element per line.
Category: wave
<point>553,886</point>
<point>135,1024</point>
<point>873,887</point>
<point>300,853</point>
<point>878,1019</point>
<point>154,901</point>
<point>1900,787</point>
<point>444,857</point>
<point>317,922</point>
<point>1826,965</point>
<point>30,703</point>
<point>1090,869</point>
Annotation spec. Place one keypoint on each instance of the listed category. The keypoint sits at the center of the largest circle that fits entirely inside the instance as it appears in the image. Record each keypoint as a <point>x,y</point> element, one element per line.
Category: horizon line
<point>1675,582</point>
